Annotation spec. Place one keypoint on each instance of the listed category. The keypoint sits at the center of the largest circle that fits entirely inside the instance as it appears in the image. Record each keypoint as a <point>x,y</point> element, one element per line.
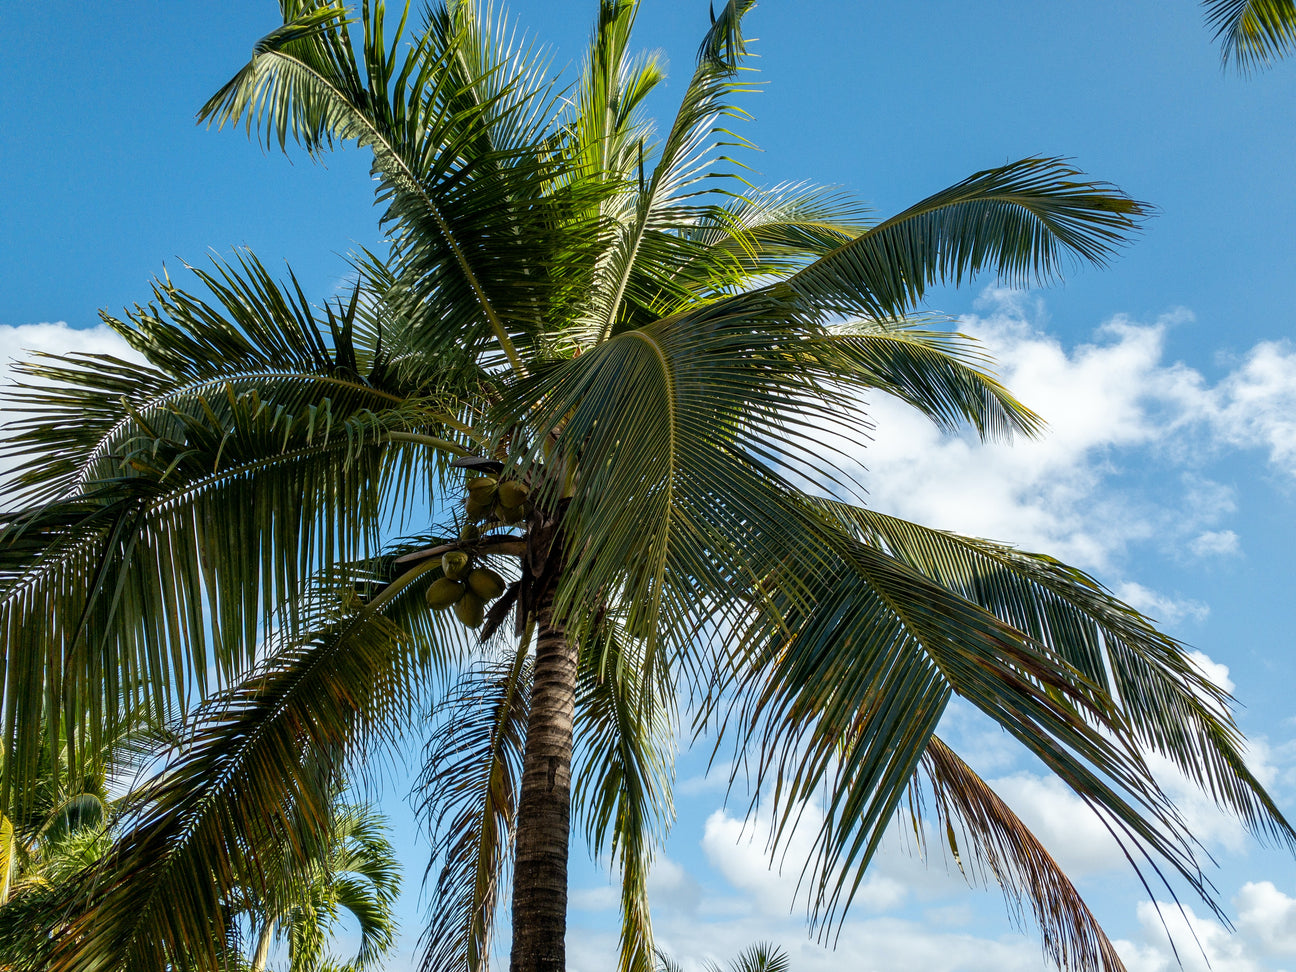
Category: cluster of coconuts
<point>466,588</point>
<point>489,498</point>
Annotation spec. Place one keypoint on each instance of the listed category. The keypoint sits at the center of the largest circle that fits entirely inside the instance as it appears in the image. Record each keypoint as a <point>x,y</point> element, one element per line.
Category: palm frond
<point>182,506</point>
<point>848,677</point>
<point>1168,704</point>
<point>623,772</point>
<point>761,957</point>
<point>1024,221</point>
<point>1252,33</point>
<point>474,191</point>
<point>940,373</point>
<point>259,763</point>
<point>653,235</point>
<point>724,43</point>
<point>1072,938</point>
<point>365,877</point>
<point>470,785</point>
<point>762,232</point>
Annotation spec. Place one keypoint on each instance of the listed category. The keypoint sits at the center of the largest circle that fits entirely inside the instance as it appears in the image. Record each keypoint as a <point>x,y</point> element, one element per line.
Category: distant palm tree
<point>1253,33</point>
<point>355,871</point>
<point>637,359</point>
<point>761,957</point>
<point>60,825</point>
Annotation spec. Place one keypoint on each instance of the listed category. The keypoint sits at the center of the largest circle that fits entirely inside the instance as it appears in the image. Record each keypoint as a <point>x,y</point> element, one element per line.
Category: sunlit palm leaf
<point>653,236</point>
<point>1165,699</point>
<point>940,373</point>
<point>1252,33</point>
<point>480,208</point>
<point>869,652</point>
<point>216,819</point>
<point>255,452</point>
<point>1024,221</point>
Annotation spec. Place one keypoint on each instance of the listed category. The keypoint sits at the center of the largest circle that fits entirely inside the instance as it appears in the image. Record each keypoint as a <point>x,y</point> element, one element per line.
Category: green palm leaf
<point>1252,33</point>
<point>624,772</point>
<point>469,788</point>
<point>1024,221</point>
<point>259,763</point>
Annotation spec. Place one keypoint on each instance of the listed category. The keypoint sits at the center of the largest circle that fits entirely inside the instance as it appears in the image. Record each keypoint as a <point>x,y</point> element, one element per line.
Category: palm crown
<point>612,327</point>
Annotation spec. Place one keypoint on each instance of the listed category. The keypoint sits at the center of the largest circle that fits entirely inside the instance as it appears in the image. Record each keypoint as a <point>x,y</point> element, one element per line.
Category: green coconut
<point>509,514</point>
<point>513,493</point>
<point>443,592</point>
<point>455,564</point>
<point>478,505</point>
<point>485,583</point>
<point>470,610</point>
<point>469,532</point>
<point>479,484</point>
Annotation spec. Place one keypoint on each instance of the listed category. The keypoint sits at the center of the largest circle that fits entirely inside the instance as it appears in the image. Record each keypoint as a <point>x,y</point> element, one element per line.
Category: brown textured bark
<point>544,808</point>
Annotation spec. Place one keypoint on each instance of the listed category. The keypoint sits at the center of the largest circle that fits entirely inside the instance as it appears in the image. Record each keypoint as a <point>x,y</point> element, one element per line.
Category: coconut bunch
<point>489,498</point>
<point>466,588</point>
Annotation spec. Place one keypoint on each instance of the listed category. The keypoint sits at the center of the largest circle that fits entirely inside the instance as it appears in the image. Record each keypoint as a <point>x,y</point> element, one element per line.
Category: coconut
<point>509,514</point>
<point>469,532</point>
<point>485,583</point>
<point>513,493</point>
<point>479,504</point>
<point>443,592</point>
<point>455,564</point>
<point>470,610</point>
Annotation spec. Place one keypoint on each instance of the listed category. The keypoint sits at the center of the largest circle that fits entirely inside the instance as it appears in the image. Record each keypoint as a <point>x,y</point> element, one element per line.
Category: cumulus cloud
<point>21,341</point>
<point>1255,405</point>
<point>1160,607</point>
<point>1101,400</point>
<point>1114,405</point>
<point>1175,938</point>
<point>1266,930</point>
<point>1267,918</point>
<point>1215,543</point>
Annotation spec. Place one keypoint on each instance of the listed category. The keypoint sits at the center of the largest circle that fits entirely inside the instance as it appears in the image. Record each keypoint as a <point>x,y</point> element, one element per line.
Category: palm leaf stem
<point>431,441</point>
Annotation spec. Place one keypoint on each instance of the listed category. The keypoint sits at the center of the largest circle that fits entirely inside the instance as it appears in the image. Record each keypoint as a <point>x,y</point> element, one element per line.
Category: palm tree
<point>354,871</point>
<point>761,957</point>
<point>1252,33</point>
<point>631,353</point>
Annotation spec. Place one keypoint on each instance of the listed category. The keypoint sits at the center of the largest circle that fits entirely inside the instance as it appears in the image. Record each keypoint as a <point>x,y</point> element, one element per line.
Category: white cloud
<point>1266,928</point>
<point>1113,405</point>
<point>1160,607</point>
<point>672,887</point>
<point>19,342</point>
<point>1255,405</point>
<point>1100,400</point>
<point>1214,671</point>
<point>1199,944</point>
<point>1071,831</point>
<point>1216,543</point>
<point>1267,917</point>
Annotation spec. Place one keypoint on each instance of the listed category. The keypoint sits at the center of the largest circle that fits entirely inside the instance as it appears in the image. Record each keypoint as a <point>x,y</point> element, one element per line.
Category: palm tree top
<point>268,527</point>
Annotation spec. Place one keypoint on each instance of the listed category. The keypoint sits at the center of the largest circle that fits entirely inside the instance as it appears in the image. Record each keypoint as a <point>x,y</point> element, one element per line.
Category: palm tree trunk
<point>544,808</point>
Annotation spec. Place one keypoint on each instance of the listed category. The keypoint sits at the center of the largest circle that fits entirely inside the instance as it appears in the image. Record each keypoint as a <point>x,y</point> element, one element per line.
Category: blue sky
<point>1168,379</point>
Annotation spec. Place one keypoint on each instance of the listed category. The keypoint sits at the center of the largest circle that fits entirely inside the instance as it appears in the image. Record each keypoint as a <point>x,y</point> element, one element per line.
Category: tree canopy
<point>597,371</point>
